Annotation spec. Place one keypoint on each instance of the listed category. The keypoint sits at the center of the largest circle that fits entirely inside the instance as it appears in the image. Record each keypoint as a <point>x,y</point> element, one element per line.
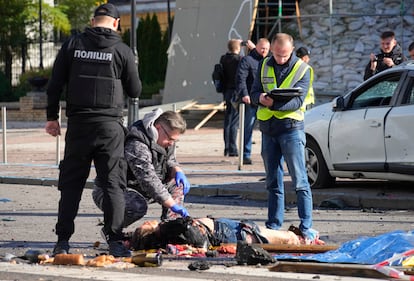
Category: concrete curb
<point>35,181</point>
<point>327,198</point>
<point>336,199</point>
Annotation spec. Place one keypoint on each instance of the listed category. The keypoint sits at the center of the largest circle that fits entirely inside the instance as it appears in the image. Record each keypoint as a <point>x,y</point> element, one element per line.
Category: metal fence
<point>32,58</point>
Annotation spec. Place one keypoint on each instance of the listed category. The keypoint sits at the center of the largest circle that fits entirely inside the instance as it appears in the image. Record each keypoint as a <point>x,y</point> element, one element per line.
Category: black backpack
<point>218,75</point>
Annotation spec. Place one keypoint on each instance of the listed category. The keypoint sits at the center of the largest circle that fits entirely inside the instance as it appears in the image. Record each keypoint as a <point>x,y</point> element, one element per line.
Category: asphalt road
<point>28,209</point>
<point>27,222</point>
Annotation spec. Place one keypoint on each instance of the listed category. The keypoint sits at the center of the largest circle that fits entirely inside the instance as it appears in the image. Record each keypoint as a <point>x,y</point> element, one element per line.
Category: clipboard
<point>286,93</point>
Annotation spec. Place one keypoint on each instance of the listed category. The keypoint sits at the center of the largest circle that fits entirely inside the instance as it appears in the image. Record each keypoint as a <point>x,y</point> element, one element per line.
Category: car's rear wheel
<point>318,174</point>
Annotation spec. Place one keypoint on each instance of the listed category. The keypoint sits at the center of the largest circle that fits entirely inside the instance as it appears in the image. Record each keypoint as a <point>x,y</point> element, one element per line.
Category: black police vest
<point>93,82</point>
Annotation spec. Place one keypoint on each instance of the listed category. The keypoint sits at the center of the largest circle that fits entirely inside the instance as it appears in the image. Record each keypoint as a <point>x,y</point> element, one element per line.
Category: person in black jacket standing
<point>96,67</point>
<point>246,73</point>
<point>230,62</point>
<point>389,56</point>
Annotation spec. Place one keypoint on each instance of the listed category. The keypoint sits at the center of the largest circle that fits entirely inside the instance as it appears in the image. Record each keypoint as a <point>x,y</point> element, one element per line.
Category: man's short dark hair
<point>387,34</point>
<point>411,47</point>
<point>302,51</point>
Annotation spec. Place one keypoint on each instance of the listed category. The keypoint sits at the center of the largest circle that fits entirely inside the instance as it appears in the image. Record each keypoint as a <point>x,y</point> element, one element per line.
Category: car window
<point>409,99</point>
<point>379,94</point>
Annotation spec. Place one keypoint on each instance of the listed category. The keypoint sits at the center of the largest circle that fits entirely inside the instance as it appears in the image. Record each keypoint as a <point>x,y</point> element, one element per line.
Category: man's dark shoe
<point>61,247</point>
<point>247,161</point>
<point>104,235</point>
<point>233,154</point>
<point>117,249</point>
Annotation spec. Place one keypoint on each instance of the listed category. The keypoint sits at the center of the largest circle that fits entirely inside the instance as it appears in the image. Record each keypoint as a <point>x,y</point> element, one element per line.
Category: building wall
<point>199,37</point>
<point>158,7</point>
<point>340,33</point>
<point>341,41</point>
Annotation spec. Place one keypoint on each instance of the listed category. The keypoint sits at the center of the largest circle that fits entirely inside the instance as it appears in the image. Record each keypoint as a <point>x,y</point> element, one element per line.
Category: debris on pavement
<point>199,265</point>
<point>252,254</point>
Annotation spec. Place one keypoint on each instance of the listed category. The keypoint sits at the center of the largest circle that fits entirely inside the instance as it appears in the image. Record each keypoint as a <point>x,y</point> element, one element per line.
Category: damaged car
<point>367,133</point>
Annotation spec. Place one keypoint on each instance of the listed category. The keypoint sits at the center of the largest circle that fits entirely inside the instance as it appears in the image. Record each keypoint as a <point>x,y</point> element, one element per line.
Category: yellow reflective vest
<point>310,96</point>
<point>268,79</point>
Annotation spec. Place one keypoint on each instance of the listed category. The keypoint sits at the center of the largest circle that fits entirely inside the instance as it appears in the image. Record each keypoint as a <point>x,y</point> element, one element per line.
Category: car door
<point>399,132</point>
<point>356,138</point>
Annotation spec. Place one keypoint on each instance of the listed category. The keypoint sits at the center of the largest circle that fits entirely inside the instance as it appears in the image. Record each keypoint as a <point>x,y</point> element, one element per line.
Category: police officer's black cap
<point>302,51</point>
<point>107,9</point>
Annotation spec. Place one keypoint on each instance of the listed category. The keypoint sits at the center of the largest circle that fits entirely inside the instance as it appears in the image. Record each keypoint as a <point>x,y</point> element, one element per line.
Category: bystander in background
<point>230,62</point>
<point>411,50</point>
<point>246,73</point>
<point>390,55</point>
<point>304,54</point>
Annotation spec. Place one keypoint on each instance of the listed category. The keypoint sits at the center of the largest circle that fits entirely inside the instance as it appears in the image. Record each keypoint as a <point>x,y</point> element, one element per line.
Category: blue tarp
<point>364,250</point>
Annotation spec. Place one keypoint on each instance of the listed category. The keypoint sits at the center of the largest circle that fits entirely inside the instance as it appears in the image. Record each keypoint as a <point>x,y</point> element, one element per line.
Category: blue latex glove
<point>178,209</point>
<point>180,178</point>
<point>310,234</point>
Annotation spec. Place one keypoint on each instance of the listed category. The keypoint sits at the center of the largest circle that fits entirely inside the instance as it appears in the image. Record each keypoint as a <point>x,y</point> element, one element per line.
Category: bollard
<point>3,118</point>
<point>242,108</point>
<point>133,116</point>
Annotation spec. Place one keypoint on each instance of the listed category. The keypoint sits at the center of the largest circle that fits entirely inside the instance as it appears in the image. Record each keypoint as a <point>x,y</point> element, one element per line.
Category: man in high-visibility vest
<point>304,54</point>
<point>283,137</point>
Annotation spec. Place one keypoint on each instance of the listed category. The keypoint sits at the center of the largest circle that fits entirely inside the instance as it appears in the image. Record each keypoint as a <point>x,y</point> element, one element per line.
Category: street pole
<point>169,21</point>
<point>133,103</point>
<point>40,36</point>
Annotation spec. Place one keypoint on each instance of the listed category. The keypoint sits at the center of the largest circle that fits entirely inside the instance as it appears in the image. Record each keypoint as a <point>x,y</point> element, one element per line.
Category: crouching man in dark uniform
<point>154,175</point>
<point>96,67</point>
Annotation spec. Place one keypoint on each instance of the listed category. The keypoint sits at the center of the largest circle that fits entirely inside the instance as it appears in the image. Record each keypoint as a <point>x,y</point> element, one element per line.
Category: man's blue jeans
<point>249,121</point>
<point>289,146</point>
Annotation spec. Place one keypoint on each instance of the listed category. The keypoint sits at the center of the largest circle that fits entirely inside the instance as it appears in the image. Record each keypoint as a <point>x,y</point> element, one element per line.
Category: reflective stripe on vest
<point>268,79</point>
<point>310,96</point>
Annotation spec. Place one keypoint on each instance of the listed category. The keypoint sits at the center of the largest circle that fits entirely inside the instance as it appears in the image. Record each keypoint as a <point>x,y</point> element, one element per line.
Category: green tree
<point>19,26</point>
<point>165,43</point>
<point>79,12</point>
<point>12,32</point>
<point>152,45</point>
<point>143,33</point>
<point>51,16</point>
<point>154,48</point>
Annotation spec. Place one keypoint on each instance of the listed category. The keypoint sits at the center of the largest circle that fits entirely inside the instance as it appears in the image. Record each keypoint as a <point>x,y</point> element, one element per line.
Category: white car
<point>367,133</point>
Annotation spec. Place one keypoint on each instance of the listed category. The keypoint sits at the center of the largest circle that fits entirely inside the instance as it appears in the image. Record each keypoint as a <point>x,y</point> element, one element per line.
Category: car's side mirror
<point>338,103</point>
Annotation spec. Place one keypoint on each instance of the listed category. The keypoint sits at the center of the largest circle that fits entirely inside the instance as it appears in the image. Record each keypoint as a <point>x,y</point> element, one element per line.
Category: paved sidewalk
<point>32,159</point>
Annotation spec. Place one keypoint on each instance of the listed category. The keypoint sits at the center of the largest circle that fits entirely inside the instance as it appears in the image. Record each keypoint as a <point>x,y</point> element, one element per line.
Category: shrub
<point>149,89</point>
<point>6,93</point>
<point>25,86</point>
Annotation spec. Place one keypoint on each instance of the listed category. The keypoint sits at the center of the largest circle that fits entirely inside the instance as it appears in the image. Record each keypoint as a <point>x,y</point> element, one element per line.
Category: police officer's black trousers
<point>102,143</point>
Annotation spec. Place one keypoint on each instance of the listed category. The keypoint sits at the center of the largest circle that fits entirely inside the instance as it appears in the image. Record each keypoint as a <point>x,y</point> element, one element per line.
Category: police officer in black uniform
<point>96,67</point>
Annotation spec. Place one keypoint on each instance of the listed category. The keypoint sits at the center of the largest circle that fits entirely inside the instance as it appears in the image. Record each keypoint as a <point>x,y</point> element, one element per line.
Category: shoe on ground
<point>233,154</point>
<point>272,225</point>
<point>61,247</point>
<point>104,235</point>
<point>247,161</point>
<point>117,249</point>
